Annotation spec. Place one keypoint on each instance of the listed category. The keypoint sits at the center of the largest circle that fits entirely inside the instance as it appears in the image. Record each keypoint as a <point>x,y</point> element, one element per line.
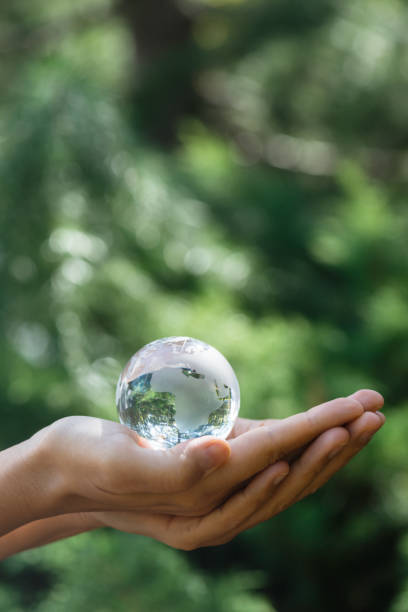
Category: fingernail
<point>335,451</point>
<point>213,456</point>
<point>382,416</point>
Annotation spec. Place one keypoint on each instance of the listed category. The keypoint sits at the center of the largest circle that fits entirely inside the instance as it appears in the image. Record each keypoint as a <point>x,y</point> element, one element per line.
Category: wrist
<point>30,483</point>
<point>44,531</point>
<point>49,475</point>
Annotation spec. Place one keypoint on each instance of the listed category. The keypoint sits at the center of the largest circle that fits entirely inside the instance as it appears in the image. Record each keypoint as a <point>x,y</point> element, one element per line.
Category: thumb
<point>202,456</point>
<point>180,467</point>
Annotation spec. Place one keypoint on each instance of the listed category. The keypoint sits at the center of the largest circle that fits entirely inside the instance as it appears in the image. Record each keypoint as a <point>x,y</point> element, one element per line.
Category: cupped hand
<point>268,493</point>
<point>273,488</point>
<point>104,467</point>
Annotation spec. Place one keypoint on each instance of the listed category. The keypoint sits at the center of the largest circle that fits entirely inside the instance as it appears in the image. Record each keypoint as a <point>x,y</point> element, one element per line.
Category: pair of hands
<point>205,491</point>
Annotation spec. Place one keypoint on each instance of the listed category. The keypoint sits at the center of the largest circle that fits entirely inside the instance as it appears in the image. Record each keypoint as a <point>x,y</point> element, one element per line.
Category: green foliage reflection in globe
<point>178,388</point>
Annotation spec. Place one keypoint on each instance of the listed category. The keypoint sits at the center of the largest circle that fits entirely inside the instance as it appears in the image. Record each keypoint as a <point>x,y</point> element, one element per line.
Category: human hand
<point>267,493</point>
<point>101,465</point>
<point>81,473</point>
<point>371,401</point>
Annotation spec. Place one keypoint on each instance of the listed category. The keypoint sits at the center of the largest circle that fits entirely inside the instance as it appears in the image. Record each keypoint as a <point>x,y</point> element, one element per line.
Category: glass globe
<point>178,388</point>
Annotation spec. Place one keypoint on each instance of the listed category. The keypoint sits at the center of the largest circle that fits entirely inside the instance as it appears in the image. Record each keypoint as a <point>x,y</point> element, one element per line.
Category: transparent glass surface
<point>178,388</point>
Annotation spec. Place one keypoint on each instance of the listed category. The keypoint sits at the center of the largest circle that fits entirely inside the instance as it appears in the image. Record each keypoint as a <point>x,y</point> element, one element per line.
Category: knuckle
<point>310,418</point>
<point>185,480</point>
<point>274,448</point>
<point>352,402</point>
<point>346,402</point>
<point>175,485</point>
<point>335,404</point>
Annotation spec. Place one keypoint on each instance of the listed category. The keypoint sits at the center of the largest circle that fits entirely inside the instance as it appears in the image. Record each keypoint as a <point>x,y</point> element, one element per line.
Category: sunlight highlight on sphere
<point>178,388</point>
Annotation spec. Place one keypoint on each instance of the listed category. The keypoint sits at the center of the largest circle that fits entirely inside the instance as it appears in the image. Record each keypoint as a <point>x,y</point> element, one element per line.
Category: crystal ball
<point>178,388</point>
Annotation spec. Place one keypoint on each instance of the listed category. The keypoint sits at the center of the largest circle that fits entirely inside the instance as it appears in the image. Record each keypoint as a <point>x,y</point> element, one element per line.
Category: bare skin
<point>82,473</point>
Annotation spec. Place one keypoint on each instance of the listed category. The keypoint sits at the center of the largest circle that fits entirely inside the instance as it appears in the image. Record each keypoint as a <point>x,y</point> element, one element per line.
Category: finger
<point>189,463</point>
<point>302,473</point>
<point>254,450</point>
<point>369,399</point>
<point>188,533</point>
<point>242,426</point>
<point>361,432</point>
<point>224,522</point>
<point>178,468</point>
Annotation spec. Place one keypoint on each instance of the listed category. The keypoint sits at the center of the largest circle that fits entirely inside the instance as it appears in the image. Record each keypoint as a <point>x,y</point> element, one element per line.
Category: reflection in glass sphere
<point>178,388</point>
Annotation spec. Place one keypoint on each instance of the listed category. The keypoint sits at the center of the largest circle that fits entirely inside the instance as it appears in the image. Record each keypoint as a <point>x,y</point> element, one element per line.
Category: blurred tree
<point>235,171</point>
<point>162,64</point>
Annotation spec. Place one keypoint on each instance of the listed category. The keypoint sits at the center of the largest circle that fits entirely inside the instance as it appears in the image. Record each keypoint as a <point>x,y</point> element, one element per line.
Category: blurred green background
<point>236,171</point>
